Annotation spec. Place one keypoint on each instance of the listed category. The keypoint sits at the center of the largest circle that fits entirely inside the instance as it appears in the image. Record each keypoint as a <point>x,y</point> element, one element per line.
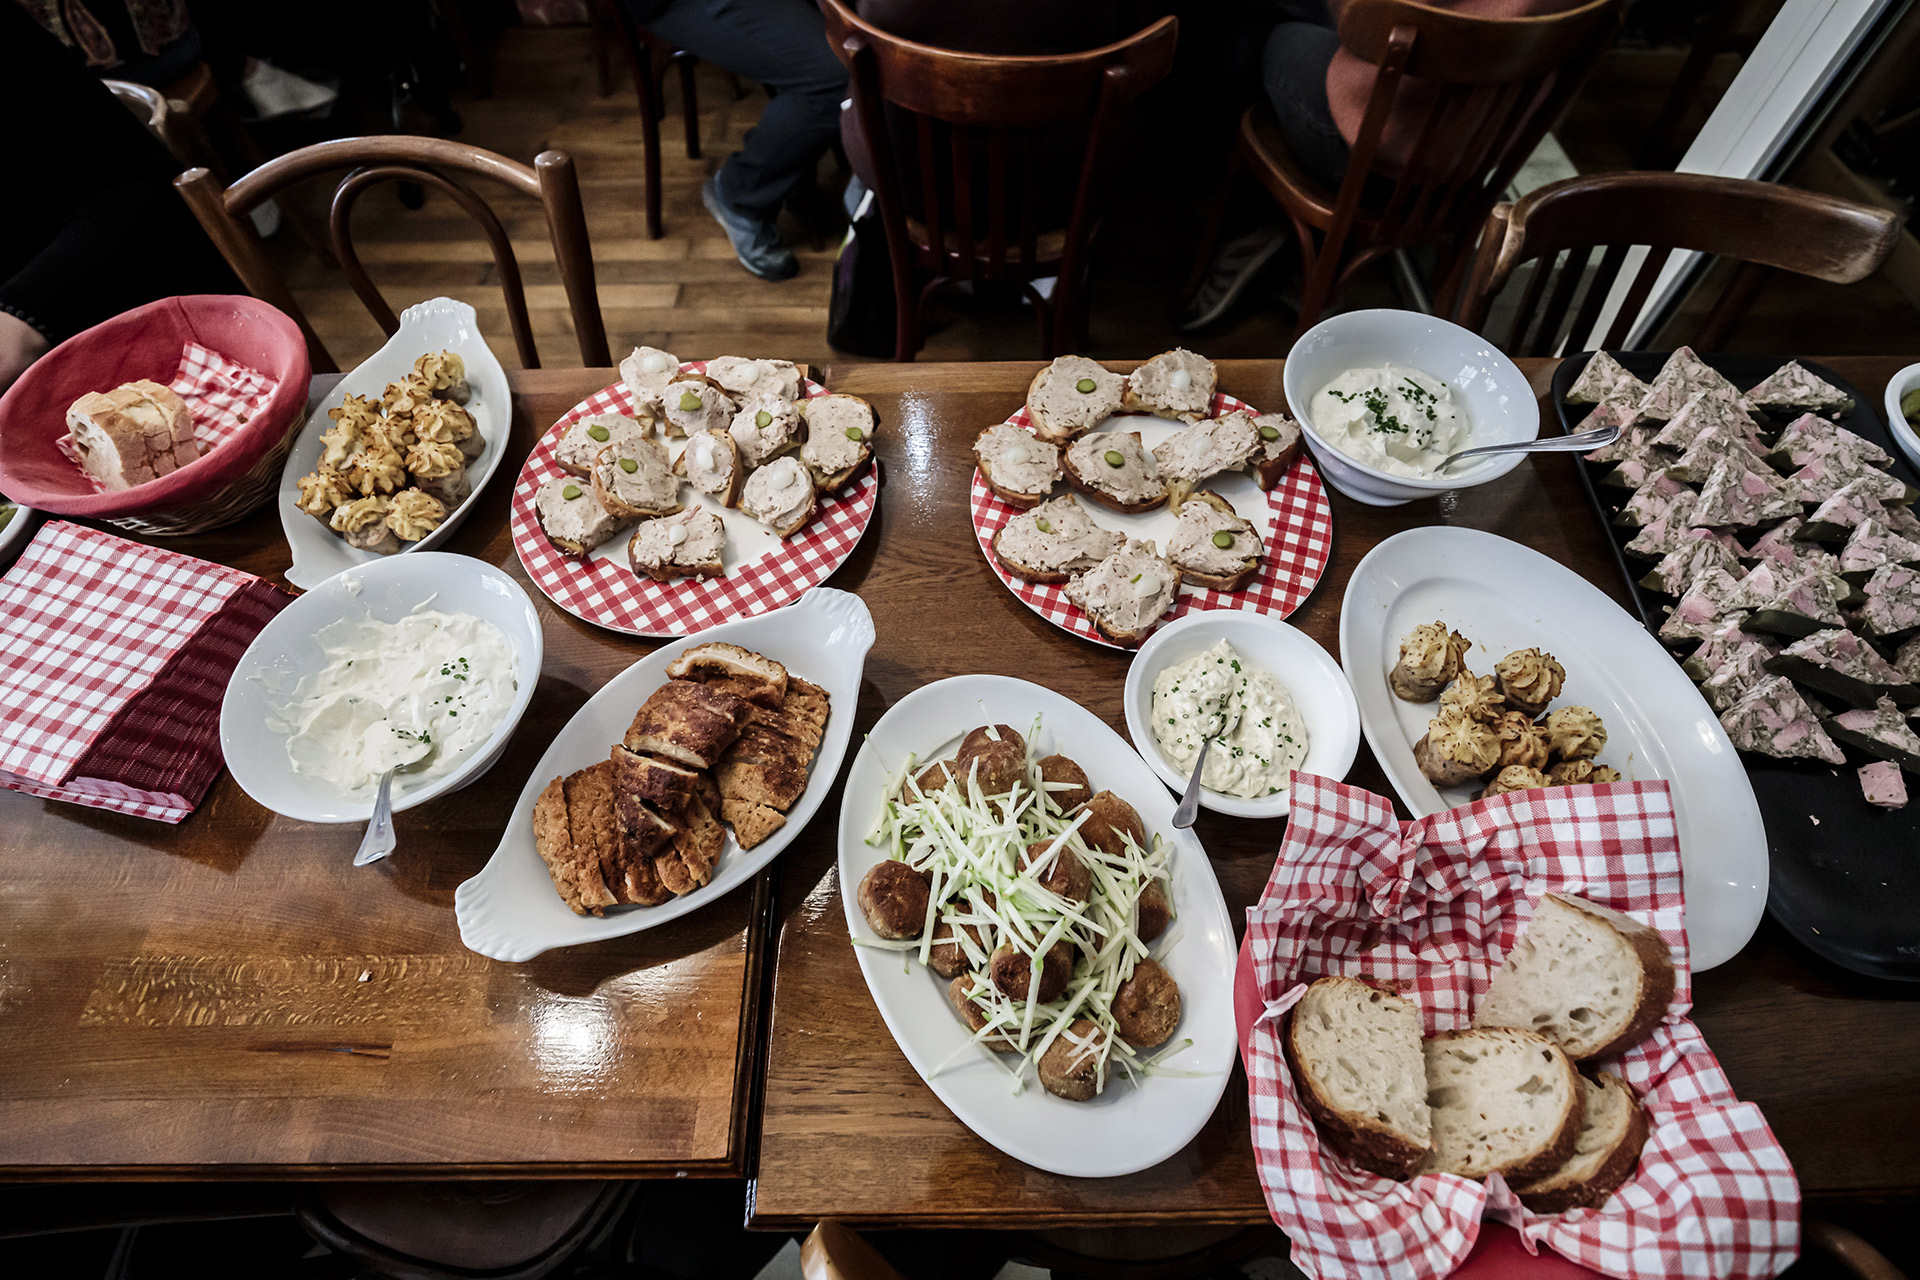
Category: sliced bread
<point>1018,467</point>
<point>1126,594</point>
<point>1052,542</point>
<point>1588,978</point>
<point>1072,396</point>
<point>1115,469</point>
<point>1279,445</point>
<point>1174,384</point>
<point>1503,1101</point>
<point>1355,1054</point>
<point>1604,1155</point>
<point>1213,545</point>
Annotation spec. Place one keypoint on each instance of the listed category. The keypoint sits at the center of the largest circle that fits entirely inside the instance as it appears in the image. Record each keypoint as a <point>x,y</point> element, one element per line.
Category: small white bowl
<point>1308,672</point>
<point>285,650</point>
<point>1903,433</point>
<point>1500,405</point>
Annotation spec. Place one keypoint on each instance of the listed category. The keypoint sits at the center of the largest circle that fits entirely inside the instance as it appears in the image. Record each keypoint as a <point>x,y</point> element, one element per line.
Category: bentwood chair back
<point>432,162</point>
<point>1465,100</point>
<point>979,130</point>
<point>1764,226</point>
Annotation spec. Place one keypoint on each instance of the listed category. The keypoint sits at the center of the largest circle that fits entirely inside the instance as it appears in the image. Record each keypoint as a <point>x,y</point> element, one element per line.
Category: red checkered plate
<point>763,571</point>
<point>1293,519</point>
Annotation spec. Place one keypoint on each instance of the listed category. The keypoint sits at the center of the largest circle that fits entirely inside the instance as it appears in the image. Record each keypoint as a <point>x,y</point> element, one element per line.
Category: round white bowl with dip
<point>1309,674</point>
<point>288,650</point>
<point>1908,379</point>
<point>1499,405</point>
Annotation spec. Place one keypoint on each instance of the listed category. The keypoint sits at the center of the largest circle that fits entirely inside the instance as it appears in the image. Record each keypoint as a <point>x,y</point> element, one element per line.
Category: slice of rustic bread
<point>1503,1101</point>
<point>1604,1154</point>
<point>1588,978</point>
<point>1355,1054</point>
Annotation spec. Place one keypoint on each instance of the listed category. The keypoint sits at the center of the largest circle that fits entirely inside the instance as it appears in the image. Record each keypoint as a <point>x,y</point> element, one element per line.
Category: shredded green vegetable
<point>970,846</point>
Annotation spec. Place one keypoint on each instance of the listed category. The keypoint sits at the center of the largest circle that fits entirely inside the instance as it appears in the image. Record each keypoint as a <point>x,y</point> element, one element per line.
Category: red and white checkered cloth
<point>114,658</point>
<point>220,394</point>
<point>1433,907</point>
<point>1299,542</point>
<point>607,592</point>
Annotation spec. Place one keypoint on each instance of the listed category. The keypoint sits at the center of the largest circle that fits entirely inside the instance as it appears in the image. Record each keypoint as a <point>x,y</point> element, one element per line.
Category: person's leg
<point>1293,69</point>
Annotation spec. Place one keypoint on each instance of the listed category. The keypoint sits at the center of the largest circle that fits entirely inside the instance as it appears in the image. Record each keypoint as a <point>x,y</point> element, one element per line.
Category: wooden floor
<point>686,293</point>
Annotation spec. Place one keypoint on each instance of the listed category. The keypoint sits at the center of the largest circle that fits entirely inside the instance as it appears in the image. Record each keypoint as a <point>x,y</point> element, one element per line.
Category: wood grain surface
<point>231,998</point>
<point>848,1130</point>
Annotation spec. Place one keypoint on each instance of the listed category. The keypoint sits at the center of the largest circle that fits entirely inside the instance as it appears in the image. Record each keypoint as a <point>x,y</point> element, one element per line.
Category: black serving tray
<point>1844,876</point>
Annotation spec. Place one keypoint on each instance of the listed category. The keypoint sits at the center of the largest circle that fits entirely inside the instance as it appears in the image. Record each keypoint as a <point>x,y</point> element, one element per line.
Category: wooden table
<point>230,998</point>
<point>848,1129</point>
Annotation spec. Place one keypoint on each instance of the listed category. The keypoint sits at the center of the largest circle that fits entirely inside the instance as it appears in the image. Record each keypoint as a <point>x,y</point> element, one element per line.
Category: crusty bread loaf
<point>1604,1155</point>
<point>1503,1101</point>
<point>1354,1051</point>
<point>1588,978</point>
<point>137,432</point>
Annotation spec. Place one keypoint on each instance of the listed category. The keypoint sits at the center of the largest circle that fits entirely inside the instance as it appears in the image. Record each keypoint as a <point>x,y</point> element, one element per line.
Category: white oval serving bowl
<point>285,650</point>
<point>1903,433</point>
<point>1499,403</point>
<point>1308,672</point>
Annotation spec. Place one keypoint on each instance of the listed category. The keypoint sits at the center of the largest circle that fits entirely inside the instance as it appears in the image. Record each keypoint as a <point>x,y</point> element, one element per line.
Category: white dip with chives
<point>1393,419</point>
<point>1261,737</point>
<point>438,681</point>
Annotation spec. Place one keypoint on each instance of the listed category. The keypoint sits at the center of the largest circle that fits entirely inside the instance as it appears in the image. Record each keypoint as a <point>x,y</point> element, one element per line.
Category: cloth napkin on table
<point>114,658</point>
<point>220,394</point>
<point>1432,907</point>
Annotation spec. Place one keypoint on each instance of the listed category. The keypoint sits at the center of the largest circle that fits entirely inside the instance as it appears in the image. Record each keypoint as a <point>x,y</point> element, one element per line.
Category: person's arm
<point>20,345</point>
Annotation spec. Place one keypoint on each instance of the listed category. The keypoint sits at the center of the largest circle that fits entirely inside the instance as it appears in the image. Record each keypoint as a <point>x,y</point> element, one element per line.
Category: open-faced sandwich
<point>1126,593</point>
<point>1071,397</point>
<point>1017,466</point>
<point>1054,541</point>
<point>1174,384</point>
<point>1114,469</point>
<point>839,442</point>
<point>1213,545</point>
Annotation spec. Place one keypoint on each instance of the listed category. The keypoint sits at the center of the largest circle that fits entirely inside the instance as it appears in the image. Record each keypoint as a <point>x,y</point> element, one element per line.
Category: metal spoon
<point>1189,807</point>
<point>1597,438</point>
<point>379,840</point>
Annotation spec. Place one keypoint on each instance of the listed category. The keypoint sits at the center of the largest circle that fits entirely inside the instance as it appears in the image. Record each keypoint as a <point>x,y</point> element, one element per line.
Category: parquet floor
<point>685,292</point>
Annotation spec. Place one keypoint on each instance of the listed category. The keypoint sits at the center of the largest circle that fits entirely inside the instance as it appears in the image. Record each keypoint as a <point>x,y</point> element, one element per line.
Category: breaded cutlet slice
<point>664,784</point>
<point>764,766</point>
<point>751,822</point>
<point>753,676</point>
<point>688,722</point>
<point>644,832</point>
<point>554,841</point>
<point>593,825</point>
<point>688,862</point>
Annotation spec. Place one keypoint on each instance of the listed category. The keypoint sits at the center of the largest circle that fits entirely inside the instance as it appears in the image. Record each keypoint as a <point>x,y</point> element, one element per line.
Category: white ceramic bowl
<point>1500,406</point>
<point>1903,433</point>
<point>285,650</point>
<point>1308,672</point>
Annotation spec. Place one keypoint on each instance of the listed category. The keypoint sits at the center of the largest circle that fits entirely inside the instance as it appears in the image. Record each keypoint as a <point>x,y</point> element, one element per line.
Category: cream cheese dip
<point>1261,735</point>
<point>1391,418</point>
<point>429,688</point>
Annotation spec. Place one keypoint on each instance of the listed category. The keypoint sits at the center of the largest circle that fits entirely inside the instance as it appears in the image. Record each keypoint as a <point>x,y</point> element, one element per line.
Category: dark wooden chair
<point>648,58</point>
<point>461,1230</point>
<point>1764,226</point>
<point>974,122</point>
<point>432,162</point>
<point>1494,87</point>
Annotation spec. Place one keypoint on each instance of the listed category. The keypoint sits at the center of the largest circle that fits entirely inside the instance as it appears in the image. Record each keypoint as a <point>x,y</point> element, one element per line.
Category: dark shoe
<point>1232,270</point>
<point>756,243</point>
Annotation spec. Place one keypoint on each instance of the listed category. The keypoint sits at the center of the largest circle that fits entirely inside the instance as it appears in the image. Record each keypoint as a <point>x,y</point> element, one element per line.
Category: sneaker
<point>755,242</point>
<point>1233,269</point>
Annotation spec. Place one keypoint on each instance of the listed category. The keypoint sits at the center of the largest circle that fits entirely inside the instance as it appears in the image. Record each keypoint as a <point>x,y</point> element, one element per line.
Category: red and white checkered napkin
<point>1433,907</point>
<point>1299,543</point>
<point>608,593</point>
<point>114,658</point>
<point>220,394</point>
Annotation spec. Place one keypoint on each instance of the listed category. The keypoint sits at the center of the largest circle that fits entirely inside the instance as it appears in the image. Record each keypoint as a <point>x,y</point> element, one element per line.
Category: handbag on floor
<point>860,314</point>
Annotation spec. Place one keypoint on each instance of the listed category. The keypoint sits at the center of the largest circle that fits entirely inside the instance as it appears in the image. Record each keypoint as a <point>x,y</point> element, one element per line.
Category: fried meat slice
<point>688,722</point>
<point>755,677</point>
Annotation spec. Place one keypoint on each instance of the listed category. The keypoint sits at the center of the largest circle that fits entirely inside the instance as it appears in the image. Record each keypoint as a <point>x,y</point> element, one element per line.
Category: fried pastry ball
<point>1066,875</point>
<point>937,776</point>
<point>971,1013</point>
<point>894,897</point>
<point>1108,819</point>
<point>978,738</point>
<point>947,957</point>
<point>1146,1008</point>
<point>1061,769</point>
<point>1012,972</point>
<point>1153,912</point>
<point>997,766</point>
<point>1074,1066</point>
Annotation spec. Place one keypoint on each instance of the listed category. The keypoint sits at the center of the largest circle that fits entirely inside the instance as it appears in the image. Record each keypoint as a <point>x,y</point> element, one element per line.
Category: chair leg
<point>1316,293</point>
<point>600,30</point>
<point>1216,218</point>
<point>907,301</point>
<point>649,95</point>
<point>690,102</point>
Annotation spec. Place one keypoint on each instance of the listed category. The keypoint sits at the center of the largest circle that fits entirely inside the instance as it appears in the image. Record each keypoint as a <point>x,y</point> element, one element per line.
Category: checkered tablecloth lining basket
<point>114,659</point>
<point>1297,547</point>
<point>223,396</point>
<point>1432,907</point>
<point>608,593</point>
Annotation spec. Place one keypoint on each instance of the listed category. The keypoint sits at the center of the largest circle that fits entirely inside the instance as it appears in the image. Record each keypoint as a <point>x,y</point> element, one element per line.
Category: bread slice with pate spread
<point>711,463</point>
<point>582,442</point>
<point>839,440</point>
<point>780,495</point>
<point>1204,450</point>
<point>1072,396</point>
<point>1127,593</point>
<point>1503,1101</point>
<point>1174,384</point>
<point>1213,545</point>
<point>635,480</point>
<point>1019,468</point>
<point>1115,469</point>
<point>646,373</point>
<point>1054,541</point>
<point>572,518</point>
<point>1280,444</point>
<point>1358,1069</point>
<point>690,545</point>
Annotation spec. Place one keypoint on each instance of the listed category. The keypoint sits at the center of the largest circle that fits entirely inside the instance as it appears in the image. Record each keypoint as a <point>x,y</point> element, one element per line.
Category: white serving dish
<point>285,650</point>
<point>1308,672</point>
<point>1126,1128</point>
<point>439,324</point>
<point>15,535</point>
<point>1903,433</point>
<point>511,912</point>
<point>1503,596</point>
<point>1499,403</point>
